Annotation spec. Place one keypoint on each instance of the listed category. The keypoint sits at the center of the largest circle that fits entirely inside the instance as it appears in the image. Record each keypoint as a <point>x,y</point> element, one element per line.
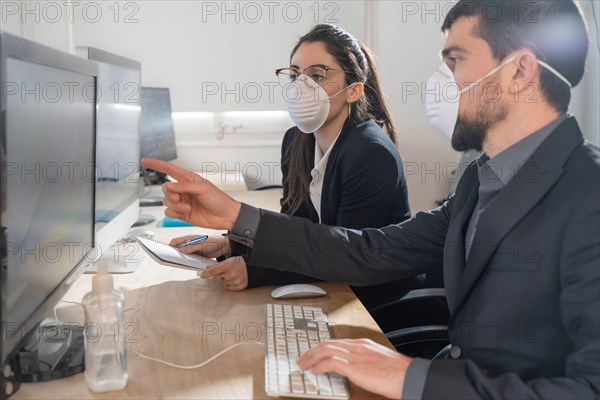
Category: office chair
<point>263,180</point>
<point>417,323</point>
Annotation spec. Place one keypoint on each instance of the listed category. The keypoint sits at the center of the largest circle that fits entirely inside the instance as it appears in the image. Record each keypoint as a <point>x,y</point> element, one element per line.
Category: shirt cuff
<point>246,225</point>
<point>414,381</point>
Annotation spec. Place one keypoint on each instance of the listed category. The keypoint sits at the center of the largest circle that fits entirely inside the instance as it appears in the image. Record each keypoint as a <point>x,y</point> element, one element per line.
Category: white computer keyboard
<point>292,330</point>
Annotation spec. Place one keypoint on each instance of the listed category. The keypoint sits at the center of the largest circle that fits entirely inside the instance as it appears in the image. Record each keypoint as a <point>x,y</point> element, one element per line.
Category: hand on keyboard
<point>369,365</point>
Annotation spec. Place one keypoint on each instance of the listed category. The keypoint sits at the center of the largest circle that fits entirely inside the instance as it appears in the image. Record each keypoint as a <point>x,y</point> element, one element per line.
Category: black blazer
<point>525,305</point>
<point>363,187</point>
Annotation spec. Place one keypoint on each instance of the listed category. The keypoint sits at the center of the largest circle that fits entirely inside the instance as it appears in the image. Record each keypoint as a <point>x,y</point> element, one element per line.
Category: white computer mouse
<point>297,291</point>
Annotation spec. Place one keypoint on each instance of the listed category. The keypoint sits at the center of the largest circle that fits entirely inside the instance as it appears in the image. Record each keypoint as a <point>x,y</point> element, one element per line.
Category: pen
<point>193,241</point>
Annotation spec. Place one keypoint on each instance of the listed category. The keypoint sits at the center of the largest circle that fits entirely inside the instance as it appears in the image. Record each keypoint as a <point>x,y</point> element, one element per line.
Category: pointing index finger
<point>168,168</point>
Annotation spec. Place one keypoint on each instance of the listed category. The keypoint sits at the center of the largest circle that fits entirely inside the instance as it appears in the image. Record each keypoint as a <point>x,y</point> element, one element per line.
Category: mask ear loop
<point>556,73</point>
<point>549,68</point>
<point>346,88</point>
<point>492,72</point>
<point>349,104</point>
<point>540,62</point>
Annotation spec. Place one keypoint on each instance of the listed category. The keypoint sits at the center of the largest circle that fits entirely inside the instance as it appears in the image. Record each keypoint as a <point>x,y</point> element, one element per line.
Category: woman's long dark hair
<point>358,63</point>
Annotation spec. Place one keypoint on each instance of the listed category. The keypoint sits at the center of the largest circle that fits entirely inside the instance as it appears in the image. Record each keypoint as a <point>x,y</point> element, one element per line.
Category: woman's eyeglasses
<point>288,76</point>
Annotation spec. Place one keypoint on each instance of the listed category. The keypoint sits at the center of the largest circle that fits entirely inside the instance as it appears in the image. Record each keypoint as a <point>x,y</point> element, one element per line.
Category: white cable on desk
<point>162,361</point>
<point>202,364</point>
<point>197,365</point>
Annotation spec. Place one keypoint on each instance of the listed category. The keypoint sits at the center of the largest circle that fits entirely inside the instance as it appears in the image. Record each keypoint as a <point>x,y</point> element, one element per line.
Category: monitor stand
<point>153,197</point>
<point>152,177</point>
<point>51,352</point>
<point>144,219</point>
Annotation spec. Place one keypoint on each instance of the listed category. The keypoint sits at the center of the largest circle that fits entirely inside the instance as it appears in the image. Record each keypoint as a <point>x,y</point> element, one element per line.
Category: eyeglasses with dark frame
<point>318,73</point>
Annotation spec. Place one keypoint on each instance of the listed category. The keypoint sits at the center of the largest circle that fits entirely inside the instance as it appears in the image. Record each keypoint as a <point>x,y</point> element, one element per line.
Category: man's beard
<point>470,133</point>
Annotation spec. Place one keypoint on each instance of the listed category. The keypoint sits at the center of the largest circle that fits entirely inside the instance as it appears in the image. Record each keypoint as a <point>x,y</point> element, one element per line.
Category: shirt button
<point>248,233</point>
<point>455,352</point>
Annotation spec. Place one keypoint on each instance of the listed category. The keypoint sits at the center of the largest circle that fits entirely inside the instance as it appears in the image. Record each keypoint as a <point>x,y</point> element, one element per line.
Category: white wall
<point>407,40</point>
<point>215,56</point>
<point>586,96</point>
<point>46,22</point>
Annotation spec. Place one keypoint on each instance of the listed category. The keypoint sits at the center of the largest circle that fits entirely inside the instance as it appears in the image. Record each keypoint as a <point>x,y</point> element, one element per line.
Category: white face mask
<point>442,96</point>
<point>308,104</point>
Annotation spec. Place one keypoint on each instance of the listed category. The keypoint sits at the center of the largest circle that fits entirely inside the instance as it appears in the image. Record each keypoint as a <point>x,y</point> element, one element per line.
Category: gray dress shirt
<point>494,174</point>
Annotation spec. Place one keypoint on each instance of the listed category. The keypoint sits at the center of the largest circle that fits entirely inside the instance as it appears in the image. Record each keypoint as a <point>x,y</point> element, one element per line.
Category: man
<point>519,241</point>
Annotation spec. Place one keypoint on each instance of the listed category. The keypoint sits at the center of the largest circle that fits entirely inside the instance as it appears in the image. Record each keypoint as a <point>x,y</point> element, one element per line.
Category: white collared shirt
<point>318,174</point>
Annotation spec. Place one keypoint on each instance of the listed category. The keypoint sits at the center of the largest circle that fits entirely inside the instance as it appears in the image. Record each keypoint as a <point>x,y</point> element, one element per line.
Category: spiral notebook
<point>164,254</point>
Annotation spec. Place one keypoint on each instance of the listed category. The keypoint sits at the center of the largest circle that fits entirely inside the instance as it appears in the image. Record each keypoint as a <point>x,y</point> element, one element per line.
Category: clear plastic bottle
<point>105,353</point>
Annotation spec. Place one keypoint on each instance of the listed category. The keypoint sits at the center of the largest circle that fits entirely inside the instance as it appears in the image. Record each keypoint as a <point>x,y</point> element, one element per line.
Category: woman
<point>339,165</point>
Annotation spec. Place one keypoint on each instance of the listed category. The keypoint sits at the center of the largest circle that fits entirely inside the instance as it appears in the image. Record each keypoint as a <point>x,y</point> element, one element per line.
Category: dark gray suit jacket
<point>525,305</point>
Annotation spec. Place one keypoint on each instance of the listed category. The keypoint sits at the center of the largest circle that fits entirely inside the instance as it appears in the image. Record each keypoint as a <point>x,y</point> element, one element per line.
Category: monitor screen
<point>158,137</point>
<point>48,178</point>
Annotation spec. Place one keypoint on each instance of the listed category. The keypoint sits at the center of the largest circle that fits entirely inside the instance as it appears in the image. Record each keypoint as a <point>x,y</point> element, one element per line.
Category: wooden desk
<point>267,199</point>
<point>185,320</point>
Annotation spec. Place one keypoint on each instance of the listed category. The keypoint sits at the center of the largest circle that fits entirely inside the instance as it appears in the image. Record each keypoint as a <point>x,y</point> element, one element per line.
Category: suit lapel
<point>464,201</point>
<point>330,178</point>
<point>503,212</point>
<point>534,179</point>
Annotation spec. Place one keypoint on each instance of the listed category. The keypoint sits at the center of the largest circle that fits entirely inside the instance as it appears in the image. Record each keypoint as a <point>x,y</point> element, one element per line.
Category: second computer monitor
<point>157,133</point>
<point>117,145</point>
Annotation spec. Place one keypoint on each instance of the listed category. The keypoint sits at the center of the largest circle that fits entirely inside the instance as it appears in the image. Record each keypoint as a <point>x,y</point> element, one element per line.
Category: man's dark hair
<point>553,30</point>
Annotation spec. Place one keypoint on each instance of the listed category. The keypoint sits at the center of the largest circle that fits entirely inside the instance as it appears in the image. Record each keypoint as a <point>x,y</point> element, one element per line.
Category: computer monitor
<point>47,136</point>
<point>158,135</point>
<point>117,146</point>
<point>157,132</point>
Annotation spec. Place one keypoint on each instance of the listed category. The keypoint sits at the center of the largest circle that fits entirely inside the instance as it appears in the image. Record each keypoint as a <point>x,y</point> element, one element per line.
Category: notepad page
<point>172,255</point>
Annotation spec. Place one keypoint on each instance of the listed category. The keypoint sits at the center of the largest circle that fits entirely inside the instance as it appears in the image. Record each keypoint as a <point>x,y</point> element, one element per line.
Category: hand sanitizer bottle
<point>105,355</point>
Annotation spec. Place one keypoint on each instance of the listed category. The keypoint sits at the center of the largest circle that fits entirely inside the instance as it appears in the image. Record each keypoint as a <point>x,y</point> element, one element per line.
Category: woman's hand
<point>232,274</point>
<point>194,199</point>
<point>213,247</point>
